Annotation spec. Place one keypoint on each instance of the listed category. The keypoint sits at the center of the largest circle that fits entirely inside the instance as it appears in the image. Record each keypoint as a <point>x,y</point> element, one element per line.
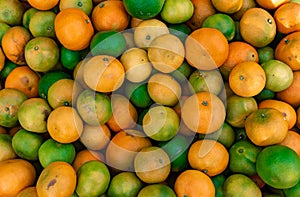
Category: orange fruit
<point>136,64</point>
<point>298,118</point>
<point>86,155</point>
<point>64,124</point>
<point>238,108</point>
<point>166,53</point>
<point>286,50</point>
<point>292,141</point>
<point>57,179</point>
<point>208,156</point>
<point>11,12</point>
<point>203,112</point>
<point>247,79</point>
<point>28,192</point>
<point>245,6</point>
<point>43,5</point>
<point>257,27</point>
<point>95,137</point>
<point>13,44</point>
<point>24,79</point>
<point>17,174</point>
<point>63,92</point>
<point>290,95</point>
<point>103,73</point>
<point>286,109</point>
<point>227,6</point>
<point>286,18</point>
<point>76,21</point>
<point>266,126</point>
<point>202,9</point>
<point>271,4</point>
<point>152,165</point>
<point>238,52</point>
<point>41,54</point>
<point>84,5</point>
<point>164,89</point>
<point>110,15</point>
<point>2,59</point>
<point>123,147</point>
<point>124,114</point>
<point>206,45</point>
<point>148,30</point>
<point>93,179</point>
<point>242,185</point>
<point>194,183</point>
<point>278,166</point>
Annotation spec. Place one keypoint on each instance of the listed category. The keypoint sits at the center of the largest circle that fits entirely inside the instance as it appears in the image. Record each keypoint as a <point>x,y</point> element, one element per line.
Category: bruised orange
<point>13,43</point>
<point>24,79</point>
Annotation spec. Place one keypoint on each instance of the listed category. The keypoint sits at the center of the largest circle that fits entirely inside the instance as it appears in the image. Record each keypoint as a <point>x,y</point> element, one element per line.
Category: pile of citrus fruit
<point>157,98</point>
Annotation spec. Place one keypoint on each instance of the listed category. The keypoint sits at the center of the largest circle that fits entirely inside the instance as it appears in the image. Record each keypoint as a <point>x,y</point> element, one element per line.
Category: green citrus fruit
<point>177,11</point>
<point>41,54</point>
<point>7,151</point>
<point>42,24</point>
<point>93,179</point>
<point>161,123</point>
<point>182,73</point>
<point>51,151</point>
<point>222,22</point>
<point>26,144</point>
<point>278,166</point>
<point>33,114</point>
<point>265,54</point>
<point>124,184</point>
<point>157,189</point>
<point>10,102</point>
<point>11,12</point>
<point>3,29</point>
<point>264,95</point>
<point>292,191</point>
<point>138,94</point>
<point>177,149</point>
<point>27,16</point>
<point>240,185</point>
<point>279,75</point>
<point>218,182</point>
<point>143,9</point>
<point>48,79</point>
<point>94,107</point>
<point>181,30</point>
<point>110,43</point>
<point>69,58</point>
<point>243,157</point>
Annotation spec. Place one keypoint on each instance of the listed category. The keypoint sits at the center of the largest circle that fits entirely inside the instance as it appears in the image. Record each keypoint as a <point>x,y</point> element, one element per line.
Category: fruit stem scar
<point>79,4</point>
<point>148,37</point>
<point>205,103</point>
<point>269,21</point>
<point>101,5</point>
<point>263,115</point>
<point>87,21</point>
<point>286,41</point>
<point>240,150</point>
<point>242,77</point>
<point>36,48</point>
